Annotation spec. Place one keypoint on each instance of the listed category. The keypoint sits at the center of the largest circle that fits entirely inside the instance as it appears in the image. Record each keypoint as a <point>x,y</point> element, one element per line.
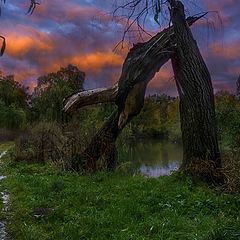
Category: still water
<point>153,158</point>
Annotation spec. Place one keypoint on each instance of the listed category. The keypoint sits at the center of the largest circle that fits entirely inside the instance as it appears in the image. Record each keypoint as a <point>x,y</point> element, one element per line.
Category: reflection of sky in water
<point>151,171</point>
<point>153,158</point>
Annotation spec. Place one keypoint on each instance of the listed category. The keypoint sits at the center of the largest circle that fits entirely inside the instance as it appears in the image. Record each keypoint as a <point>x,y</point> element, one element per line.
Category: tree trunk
<point>111,156</point>
<point>100,144</point>
<point>201,154</point>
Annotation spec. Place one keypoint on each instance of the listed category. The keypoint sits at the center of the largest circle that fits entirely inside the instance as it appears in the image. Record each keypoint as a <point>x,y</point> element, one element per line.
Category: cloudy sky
<point>83,33</point>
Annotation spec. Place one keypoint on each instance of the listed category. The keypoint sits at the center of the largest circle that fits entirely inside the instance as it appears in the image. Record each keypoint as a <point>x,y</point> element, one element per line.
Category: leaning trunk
<point>197,111</point>
<point>103,143</point>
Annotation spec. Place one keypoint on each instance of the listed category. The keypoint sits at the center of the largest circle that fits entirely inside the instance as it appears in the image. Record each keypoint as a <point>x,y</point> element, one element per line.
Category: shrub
<point>231,164</point>
<point>50,142</point>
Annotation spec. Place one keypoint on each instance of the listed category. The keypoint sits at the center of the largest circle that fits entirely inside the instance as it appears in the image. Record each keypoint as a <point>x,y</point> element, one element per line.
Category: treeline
<point>159,118</point>
<point>19,109</point>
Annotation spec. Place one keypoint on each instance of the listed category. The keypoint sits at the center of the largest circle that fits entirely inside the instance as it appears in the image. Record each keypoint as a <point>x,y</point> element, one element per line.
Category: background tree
<point>14,99</point>
<point>51,89</point>
<point>228,116</point>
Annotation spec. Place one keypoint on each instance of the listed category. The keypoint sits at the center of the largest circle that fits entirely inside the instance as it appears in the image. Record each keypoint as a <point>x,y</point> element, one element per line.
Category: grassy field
<point>49,204</point>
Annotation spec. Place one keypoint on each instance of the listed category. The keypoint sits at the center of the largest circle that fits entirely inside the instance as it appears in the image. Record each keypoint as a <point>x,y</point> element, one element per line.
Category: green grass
<point>112,206</point>
<point>5,146</point>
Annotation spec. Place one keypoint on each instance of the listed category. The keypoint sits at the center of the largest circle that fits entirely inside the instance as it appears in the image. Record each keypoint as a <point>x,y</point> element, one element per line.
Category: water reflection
<point>153,158</point>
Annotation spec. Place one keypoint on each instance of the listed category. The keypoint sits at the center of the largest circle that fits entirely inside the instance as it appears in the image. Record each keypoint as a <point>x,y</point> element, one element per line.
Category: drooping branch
<point>32,6</point>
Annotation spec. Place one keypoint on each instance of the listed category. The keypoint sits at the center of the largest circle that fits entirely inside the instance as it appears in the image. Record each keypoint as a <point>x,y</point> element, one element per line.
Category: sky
<point>84,33</point>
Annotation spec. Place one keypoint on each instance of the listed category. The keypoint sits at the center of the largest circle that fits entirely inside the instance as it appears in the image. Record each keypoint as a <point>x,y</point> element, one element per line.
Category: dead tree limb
<point>90,97</point>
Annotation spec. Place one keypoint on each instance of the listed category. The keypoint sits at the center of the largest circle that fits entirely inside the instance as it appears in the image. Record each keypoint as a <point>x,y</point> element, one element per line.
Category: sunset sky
<point>83,33</point>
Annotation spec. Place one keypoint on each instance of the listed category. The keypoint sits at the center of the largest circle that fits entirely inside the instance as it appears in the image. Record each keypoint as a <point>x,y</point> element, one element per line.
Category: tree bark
<point>201,154</point>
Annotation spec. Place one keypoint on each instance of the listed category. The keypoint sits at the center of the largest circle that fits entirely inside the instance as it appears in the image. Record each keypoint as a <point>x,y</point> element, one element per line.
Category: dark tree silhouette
<point>201,154</point>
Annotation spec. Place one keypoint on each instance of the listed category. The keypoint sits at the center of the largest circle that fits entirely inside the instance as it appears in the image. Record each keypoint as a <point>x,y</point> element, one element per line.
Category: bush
<point>50,142</point>
<point>12,117</point>
<point>228,117</point>
<point>8,134</point>
<point>231,165</point>
<point>41,143</point>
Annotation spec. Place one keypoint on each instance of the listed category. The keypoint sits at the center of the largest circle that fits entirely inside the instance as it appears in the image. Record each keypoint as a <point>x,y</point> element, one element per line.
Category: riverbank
<point>49,204</point>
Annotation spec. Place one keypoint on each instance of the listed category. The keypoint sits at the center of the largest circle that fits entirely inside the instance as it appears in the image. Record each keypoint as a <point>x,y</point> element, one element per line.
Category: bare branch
<point>90,97</point>
<point>32,7</point>
<point>3,45</point>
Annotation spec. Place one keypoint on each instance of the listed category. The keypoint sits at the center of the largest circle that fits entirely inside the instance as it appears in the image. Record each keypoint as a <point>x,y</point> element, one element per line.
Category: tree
<point>51,89</point>
<point>13,92</point>
<point>14,99</point>
<point>201,155</point>
<point>197,110</point>
<point>141,64</point>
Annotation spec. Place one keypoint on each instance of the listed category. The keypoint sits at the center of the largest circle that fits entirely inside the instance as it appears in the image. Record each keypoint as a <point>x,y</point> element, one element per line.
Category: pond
<point>153,158</point>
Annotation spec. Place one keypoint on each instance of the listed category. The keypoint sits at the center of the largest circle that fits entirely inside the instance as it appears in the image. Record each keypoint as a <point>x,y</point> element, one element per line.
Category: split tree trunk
<point>140,66</point>
<point>201,154</point>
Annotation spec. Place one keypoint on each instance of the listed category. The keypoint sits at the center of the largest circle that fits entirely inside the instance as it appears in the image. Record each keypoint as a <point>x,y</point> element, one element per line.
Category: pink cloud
<point>228,51</point>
